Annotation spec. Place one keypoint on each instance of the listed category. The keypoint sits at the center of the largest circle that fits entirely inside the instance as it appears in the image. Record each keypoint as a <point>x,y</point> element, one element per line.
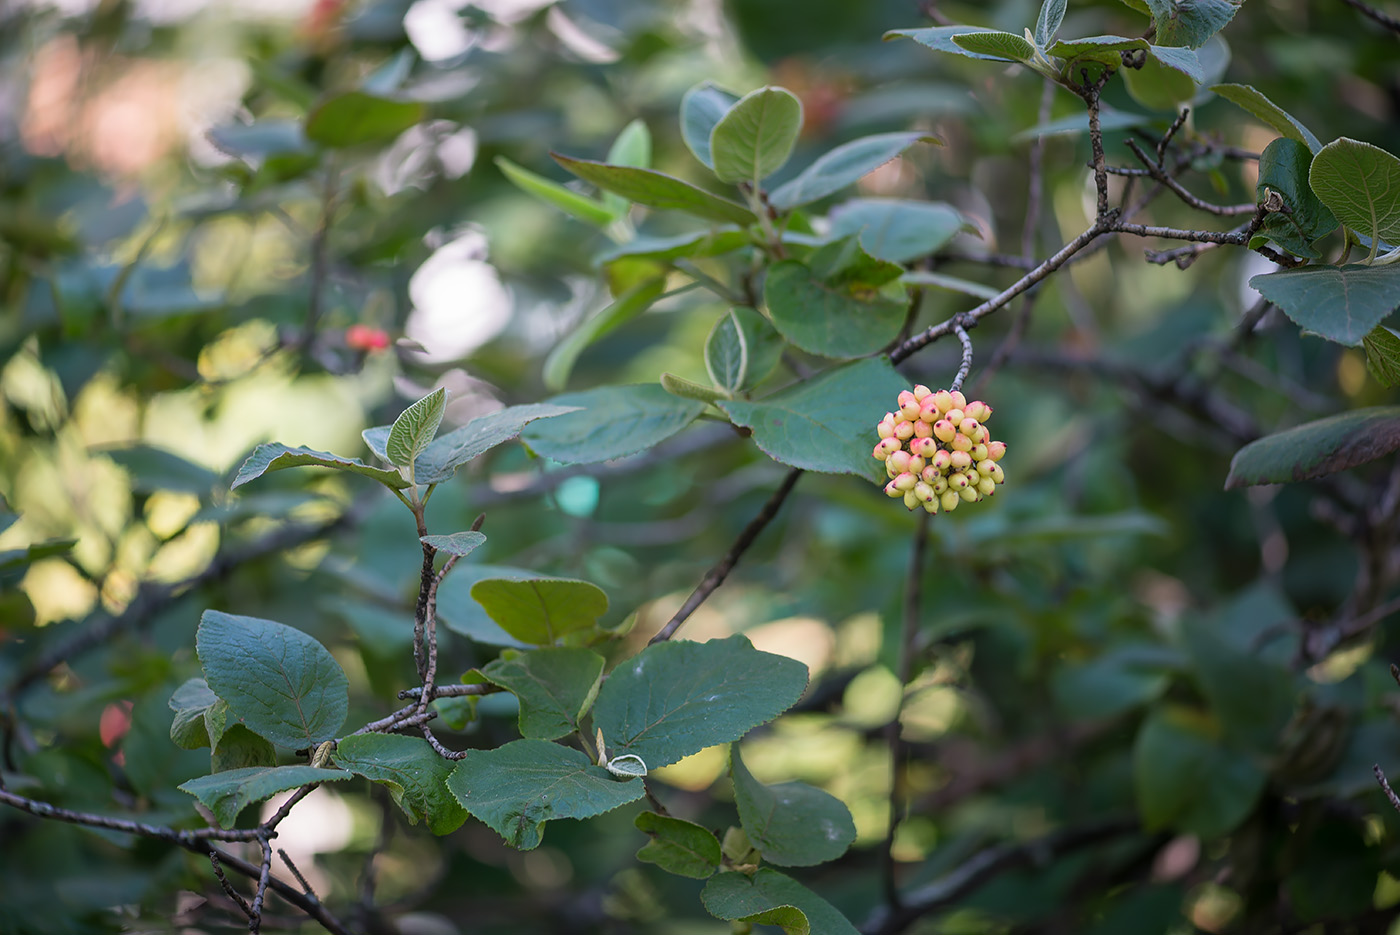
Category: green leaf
<point>896,230</point>
<point>631,148</point>
<point>458,543</point>
<point>228,793</point>
<point>152,469</point>
<point>13,559</point>
<point>463,615</point>
<point>259,139</point>
<point>240,748</point>
<point>411,770</point>
<point>1167,79</point>
<point>743,348</point>
<point>1187,781</point>
<point>275,456</point>
<point>996,45</point>
<point>415,427</point>
<point>518,787</point>
<point>588,210</point>
<point>656,190</point>
<point>440,460</point>
<point>1342,304</point>
<point>1383,355</point>
<point>612,421</point>
<point>792,824</point>
<point>278,681</point>
<point>951,283</point>
<point>356,117</point>
<point>1360,183</point>
<point>712,242</point>
<point>1267,112</point>
<point>1110,118</point>
<point>556,687</point>
<point>1105,50</point>
<point>689,389</point>
<point>702,107</point>
<point>541,610</point>
<point>755,137</point>
<point>827,423</point>
<point>844,165</point>
<point>631,303</point>
<point>1183,61</point>
<point>941,39</point>
<point>1283,168</point>
<point>676,698</point>
<point>384,631</point>
<point>1252,697</point>
<point>1108,685</point>
<point>1052,13</point>
<point>772,898</point>
<point>199,716</point>
<point>1191,22</point>
<point>834,304</point>
<point>678,846</point>
<point>1317,449</point>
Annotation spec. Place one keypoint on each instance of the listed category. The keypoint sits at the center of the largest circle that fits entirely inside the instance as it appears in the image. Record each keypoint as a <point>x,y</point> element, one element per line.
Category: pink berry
<point>970,427</point>
<point>892,491</point>
<point>955,416</point>
<point>916,465</point>
<point>886,447</point>
<point>899,461</point>
<point>943,430</point>
<point>903,431</point>
<point>995,450</point>
<point>922,429</point>
<point>960,460</point>
<point>906,481</point>
<point>923,447</point>
<point>941,460</point>
<point>959,400</point>
<point>930,475</point>
<point>961,443</point>
<point>921,392</point>
<point>943,400</point>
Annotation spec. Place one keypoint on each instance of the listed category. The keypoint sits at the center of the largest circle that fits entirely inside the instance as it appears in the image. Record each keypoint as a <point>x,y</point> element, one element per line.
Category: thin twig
<point>437,745</point>
<point>1385,785</point>
<point>228,889</point>
<point>716,575</point>
<point>183,838</point>
<point>447,691</point>
<point>966,366</point>
<point>306,887</point>
<point>260,892</point>
<point>1384,19</point>
<point>1158,172</point>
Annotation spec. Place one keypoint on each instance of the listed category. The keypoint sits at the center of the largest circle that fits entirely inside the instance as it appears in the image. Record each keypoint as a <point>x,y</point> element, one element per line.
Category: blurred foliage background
<point>182,274</point>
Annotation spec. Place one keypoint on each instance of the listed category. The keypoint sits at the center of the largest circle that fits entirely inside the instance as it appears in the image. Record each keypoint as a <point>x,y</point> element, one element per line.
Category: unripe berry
<point>930,475</point>
<point>959,400</point>
<point>943,400</point>
<point>904,431</point>
<point>941,460</point>
<point>960,460</point>
<point>885,448</point>
<point>940,484</point>
<point>995,450</point>
<point>908,405</point>
<point>979,453</point>
<point>923,491</point>
<point>970,427</point>
<point>931,506</point>
<point>922,429</point>
<point>970,494</point>
<point>978,410</point>
<point>921,392</point>
<point>923,447</point>
<point>892,491</point>
<point>885,429</point>
<point>949,500</point>
<point>982,436</point>
<point>898,462</point>
<point>916,465</point>
<point>961,443</point>
<point>957,481</point>
<point>906,481</point>
<point>911,500</point>
<point>997,474</point>
<point>943,430</point>
<point>986,486</point>
<point>929,412</point>
<point>984,467</point>
<point>955,416</point>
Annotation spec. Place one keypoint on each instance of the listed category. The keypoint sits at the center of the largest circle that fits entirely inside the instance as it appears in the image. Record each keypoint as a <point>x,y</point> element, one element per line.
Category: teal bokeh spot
<point>578,496</point>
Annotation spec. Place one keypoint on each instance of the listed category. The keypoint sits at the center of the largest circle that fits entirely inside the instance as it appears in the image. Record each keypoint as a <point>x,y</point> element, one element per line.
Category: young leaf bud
<point>943,400</point>
<point>911,500</point>
<point>960,460</point>
<point>959,400</point>
<point>995,450</point>
<point>905,481</point>
<point>944,431</point>
<point>949,500</point>
<point>961,443</point>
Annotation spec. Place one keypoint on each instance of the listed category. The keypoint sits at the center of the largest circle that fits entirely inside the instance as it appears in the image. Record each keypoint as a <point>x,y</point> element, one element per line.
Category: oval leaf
<point>678,846</point>
<point>772,898</point>
<point>701,108</point>
<point>1283,168</point>
<point>1317,448</point>
<point>792,824</point>
<point>743,348</point>
<point>1340,303</point>
<point>941,39</point>
<point>674,699</point>
<point>1191,23</point>
<point>228,793</point>
<point>415,427</point>
<point>845,165</point>
<point>631,303</point>
<point>1360,183</point>
<point>612,421</point>
<point>448,452</point>
<point>556,686</point>
<point>1273,116</point>
<point>755,137</point>
<point>356,117</point>
<point>1187,781</point>
<point>897,230</point>
<point>656,190</point>
<point>278,681</point>
<point>996,45</point>
<point>516,788</point>
<point>1383,356</point>
<point>411,770</point>
<point>276,457</point>
<point>458,543</point>
<point>541,610</point>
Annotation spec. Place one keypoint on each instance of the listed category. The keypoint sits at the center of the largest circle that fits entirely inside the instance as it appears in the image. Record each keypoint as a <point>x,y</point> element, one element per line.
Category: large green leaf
<point>1360,183</point>
<point>792,824</point>
<point>356,117</point>
<point>555,686</point>
<point>1253,698</point>
<point>228,793</point>
<point>1317,449</point>
<point>200,716</point>
<point>840,302</point>
<point>240,748</point>
<point>518,787</point>
<point>1191,22</point>
<point>1110,684</point>
<point>941,39</point>
<point>275,456</point>
<point>1383,355</point>
<point>678,846</point>
<point>612,421</point>
<point>827,423</point>
<point>1167,79</point>
<point>1340,303</point>
<point>541,610</point>
<point>701,108</point>
<point>755,137</point>
<point>772,898</point>
<point>462,614</point>
<point>151,469</point>
<point>742,349</point>
<point>993,44</point>
<point>631,303</point>
<point>1283,168</point>
<point>414,429</point>
<point>712,242</point>
<point>894,229</point>
<point>844,165</point>
<point>440,460</point>
<point>278,681</point>
<point>1105,50</point>
<point>674,699</point>
<point>588,210</point>
<point>657,190</point>
<point>1273,116</point>
<point>1186,780</point>
<point>411,770</point>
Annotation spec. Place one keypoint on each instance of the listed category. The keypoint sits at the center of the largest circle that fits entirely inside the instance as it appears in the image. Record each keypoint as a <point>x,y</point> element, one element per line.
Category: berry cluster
<point>937,452</point>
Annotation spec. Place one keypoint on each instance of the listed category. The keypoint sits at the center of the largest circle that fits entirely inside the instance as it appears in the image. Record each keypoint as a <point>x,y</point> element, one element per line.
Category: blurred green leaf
<point>355,117</point>
<point>792,824</point>
<point>1187,781</point>
<point>897,230</point>
<point>1268,112</point>
<point>275,456</point>
<point>228,793</point>
<point>1191,22</point>
<point>771,898</point>
<point>678,846</point>
<point>612,421</point>
<point>941,39</point>
<point>1383,355</point>
<point>843,166</point>
<point>588,210</point>
<point>841,302</point>
<point>702,107</point>
<point>458,543</point>
<point>541,610</point>
<point>656,190</point>
<point>742,350</point>
<point>636,300</point>
<point>755,137</point>
<point>1316,449</point>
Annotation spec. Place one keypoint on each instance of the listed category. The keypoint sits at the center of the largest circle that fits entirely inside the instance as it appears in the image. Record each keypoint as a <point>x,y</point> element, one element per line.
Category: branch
<point>716,575</point>
<point>1386,20</point>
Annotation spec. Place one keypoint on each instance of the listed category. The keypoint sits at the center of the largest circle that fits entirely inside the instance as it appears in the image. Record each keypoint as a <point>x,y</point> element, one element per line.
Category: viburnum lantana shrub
<point>1063,693</point>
